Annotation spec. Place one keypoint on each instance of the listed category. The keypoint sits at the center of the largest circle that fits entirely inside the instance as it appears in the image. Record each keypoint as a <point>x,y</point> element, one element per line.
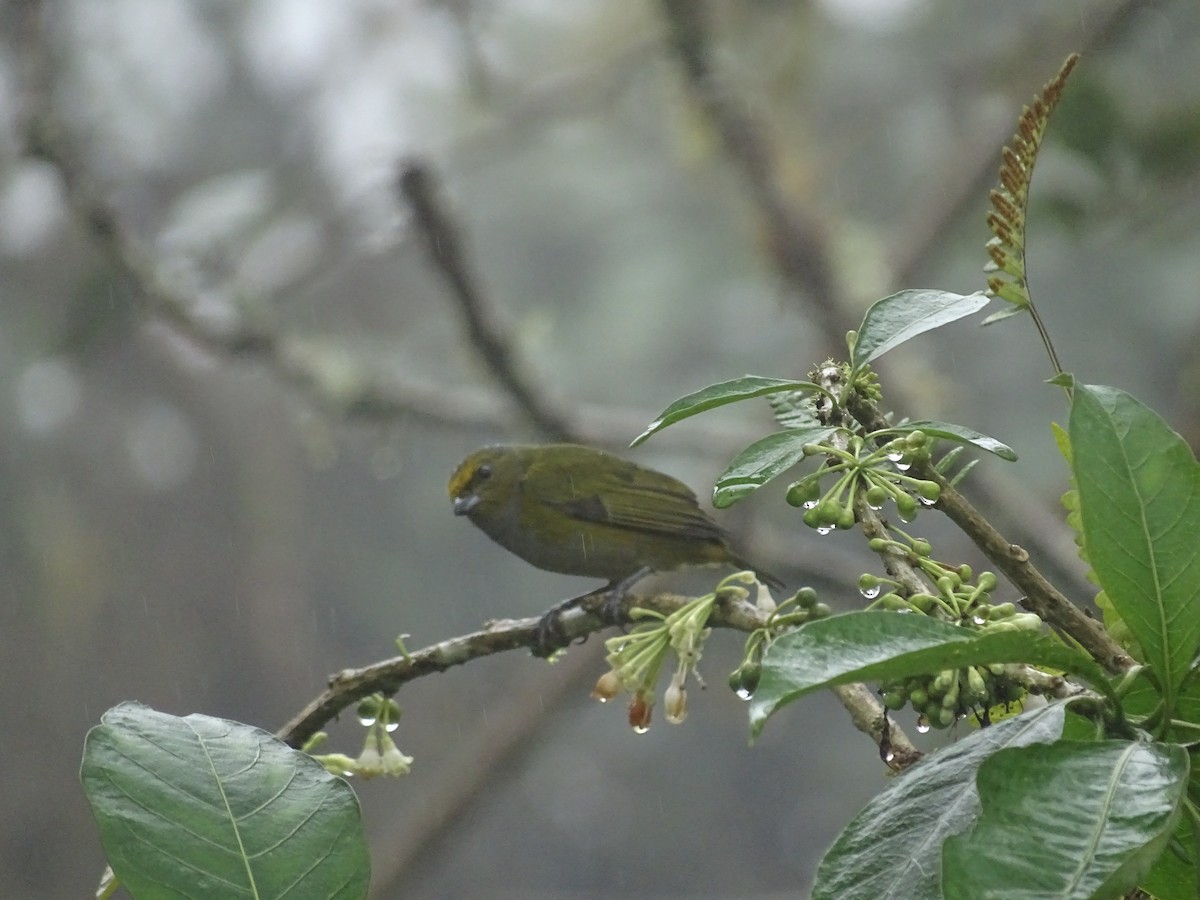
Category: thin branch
<point>798,248</point>
<point>1041,596</point>
<point>496,348</point>
<point>388,676</point>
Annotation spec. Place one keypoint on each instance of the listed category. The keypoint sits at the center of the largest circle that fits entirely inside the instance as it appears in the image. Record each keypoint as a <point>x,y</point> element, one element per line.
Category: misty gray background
<point>184,527</point>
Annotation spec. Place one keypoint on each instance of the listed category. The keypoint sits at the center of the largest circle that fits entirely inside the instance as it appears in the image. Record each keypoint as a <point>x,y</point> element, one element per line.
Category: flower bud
<point>675,703</point>
<point>607,686</point>
<point>640,709</point>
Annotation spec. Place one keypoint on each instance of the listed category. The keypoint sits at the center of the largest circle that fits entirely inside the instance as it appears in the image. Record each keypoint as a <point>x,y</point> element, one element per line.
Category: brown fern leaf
<point>1006,220</point>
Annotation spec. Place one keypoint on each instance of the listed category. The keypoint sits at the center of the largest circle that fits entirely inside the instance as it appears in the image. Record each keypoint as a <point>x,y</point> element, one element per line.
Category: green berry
<point>806,597</point>
<point>923,602</point>
<point>803,491</point>
<point>876,496</point>
<point>929,490</point>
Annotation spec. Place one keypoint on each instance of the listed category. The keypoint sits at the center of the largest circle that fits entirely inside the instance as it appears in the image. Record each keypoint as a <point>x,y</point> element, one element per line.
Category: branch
<point>797,245</point>
<point>1041,596</point>
<point>444,244</point>
<point>388,676</point>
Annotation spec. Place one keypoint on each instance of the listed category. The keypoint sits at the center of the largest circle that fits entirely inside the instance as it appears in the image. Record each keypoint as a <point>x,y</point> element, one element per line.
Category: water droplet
<point>895,456</point>
<point>602,699</point>
<point>925,501</point>
<point>366,721</point>
<point>824,529</point>
<point>978,620</point>
<point>871,592</point>
<point>391,726</point>
<point>902,466</point>
<point>744,693</point>
<point>874,507</point>
<point>889,756</point>
<point>922,725</point>
<point>640,729</point>
<point>808,504</point>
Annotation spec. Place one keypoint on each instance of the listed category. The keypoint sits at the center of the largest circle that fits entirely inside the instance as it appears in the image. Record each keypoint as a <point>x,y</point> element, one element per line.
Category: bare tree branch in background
<point>444,243</point>
<point>797,246</point>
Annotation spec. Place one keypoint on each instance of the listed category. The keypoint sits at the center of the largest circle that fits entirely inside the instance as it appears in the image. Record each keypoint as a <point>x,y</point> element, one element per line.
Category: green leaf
<point>204,807</point>
<point>881,646</point>
<point>1066,820</point>
<point>895,319</point>
<point>1139,501</point>
<point>960,434</point>
<point>794,409</point>
<point>1007,313</point>
<point>892,850</point>
<point>718,395</point>
<point>1172,878</point>
<point>763,460</point>
<point>1070,500</point>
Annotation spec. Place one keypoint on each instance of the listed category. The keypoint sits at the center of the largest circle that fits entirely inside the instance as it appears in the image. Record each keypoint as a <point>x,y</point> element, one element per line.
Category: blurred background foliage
<point>653,196</point>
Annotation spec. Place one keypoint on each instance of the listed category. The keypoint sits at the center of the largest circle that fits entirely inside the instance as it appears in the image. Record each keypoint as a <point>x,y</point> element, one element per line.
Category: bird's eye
<point>484,472</point>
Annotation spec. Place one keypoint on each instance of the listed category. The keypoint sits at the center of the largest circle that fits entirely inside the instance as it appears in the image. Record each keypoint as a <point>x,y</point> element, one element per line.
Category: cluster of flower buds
<point>380,756</point>
<point>877,471</point>
<point>637,658</point>
<point>941,698</point>
<point>802,607</point>
<point>944,697</point>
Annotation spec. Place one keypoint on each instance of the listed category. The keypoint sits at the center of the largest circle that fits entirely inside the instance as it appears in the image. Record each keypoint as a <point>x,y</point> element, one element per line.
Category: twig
<point>496,349</point>
<point>1041,596</point>
<point>797,245</point>
<point>390,675</point>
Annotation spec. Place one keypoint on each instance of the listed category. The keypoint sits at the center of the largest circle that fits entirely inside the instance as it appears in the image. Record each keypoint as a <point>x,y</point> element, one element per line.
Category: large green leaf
<point>1173,875</point>
<point>1068,820</point>
<point>204,807</point>
<point>892,850</point>
<point>879,646</point>
<point>1139,502</point>
<point>719,395</point>
<point>895,319</point>
<point>763,460</point>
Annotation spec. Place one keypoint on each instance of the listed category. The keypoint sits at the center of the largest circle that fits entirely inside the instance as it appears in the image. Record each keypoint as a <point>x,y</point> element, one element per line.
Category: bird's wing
<point>631,498</point>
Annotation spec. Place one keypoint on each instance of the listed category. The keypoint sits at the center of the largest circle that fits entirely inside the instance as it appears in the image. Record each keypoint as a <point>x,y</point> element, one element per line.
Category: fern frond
<point>1010,202</point>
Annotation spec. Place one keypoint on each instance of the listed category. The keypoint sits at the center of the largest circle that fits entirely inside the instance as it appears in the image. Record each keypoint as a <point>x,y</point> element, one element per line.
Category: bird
<point>582,511</point>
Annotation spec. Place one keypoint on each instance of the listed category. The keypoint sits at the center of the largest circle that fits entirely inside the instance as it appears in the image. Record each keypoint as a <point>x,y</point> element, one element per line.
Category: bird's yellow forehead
<point>461,480</point>
<point>462,476</point>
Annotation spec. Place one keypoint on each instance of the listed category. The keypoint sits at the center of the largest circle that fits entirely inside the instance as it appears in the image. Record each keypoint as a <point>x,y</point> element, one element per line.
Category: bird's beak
<point>463,505</point>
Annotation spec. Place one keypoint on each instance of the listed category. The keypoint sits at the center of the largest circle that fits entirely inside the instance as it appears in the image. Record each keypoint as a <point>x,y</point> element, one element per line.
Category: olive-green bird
<point>580,511</point>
